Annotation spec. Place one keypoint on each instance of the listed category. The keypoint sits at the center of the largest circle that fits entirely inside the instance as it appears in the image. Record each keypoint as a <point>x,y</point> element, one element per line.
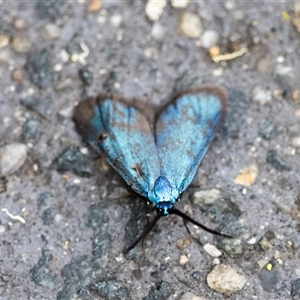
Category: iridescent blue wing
<point>123,136</point>
<point>184,130</point>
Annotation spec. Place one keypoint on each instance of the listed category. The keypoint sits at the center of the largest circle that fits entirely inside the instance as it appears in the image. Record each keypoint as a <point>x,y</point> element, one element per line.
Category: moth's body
<point>159,166</point>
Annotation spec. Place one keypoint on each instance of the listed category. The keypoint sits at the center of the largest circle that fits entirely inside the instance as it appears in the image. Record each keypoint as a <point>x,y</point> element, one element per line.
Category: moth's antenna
<point>146,231</point>
<point>177,212</point>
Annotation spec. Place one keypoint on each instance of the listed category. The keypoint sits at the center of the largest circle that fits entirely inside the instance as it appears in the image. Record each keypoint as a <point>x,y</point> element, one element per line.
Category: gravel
<point>66,216</point>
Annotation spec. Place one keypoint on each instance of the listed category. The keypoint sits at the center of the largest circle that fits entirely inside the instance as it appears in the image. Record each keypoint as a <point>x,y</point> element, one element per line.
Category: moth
<point>158,162</point>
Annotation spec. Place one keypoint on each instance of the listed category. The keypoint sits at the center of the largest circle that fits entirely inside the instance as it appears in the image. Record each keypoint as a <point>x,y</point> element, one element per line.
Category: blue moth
<point>158,162</point>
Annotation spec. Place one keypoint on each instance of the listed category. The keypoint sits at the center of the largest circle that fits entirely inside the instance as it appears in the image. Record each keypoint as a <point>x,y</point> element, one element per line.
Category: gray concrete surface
<point>77,222</point>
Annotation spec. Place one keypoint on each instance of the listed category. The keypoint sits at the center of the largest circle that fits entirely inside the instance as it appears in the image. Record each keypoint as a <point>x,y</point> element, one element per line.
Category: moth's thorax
<point>163,192</point>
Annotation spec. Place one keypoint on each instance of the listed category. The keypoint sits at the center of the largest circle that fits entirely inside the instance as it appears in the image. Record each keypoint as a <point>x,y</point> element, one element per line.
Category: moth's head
<point>164,208</point>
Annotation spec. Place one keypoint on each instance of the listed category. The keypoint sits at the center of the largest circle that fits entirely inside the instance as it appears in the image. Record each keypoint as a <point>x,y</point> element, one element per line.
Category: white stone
<point>180,3</point>
<point>189,25</point>
<point>4,41</point>
<point>157,31</point>
<point>183,260</point>
<point>154,9</point>
<point>51,31</point>
<point>261,96</point>
<point>252,241</point>
<point>206,196</point>
<point>209,39</point>
<point>2,229</point>
<point>212,250</point>
<point>295,142</point>
<point>224,279</point>
<point>58,218</point>
<point>12,158</point>
<point>116,20</point>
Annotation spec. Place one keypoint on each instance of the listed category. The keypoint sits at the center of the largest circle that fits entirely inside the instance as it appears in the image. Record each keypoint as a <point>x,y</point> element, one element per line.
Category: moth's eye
<point>102,137</point>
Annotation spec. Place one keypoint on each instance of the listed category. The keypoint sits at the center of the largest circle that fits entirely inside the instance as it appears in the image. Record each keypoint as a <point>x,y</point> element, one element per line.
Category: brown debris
<point>94,5</point>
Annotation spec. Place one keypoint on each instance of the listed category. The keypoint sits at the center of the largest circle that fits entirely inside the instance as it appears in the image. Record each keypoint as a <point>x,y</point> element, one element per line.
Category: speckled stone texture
<point>66,216</point>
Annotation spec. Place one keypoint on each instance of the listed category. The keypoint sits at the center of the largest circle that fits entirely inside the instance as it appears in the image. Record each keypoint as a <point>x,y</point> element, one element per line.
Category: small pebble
<point>183,260</point>
<point>190,296</point>
<point>86,76</point>
<point>21,44</point>
<point>17,75</point>
<point>261,96</point>
<point>12,158</point>
<point>266,129</point>
<point>197,275</point>
<point>207,196</point>
<point>116,20</point>
<point>264,242</point>
<point>209,39</point>
<point>2,229</point>
<point>94,5</point>
<point>38,67</point>
<point>66,113</point>
<point>295,142</point>
<point>180,3</point>
<point>290,151</point>
<point>284,74</point>
<point>297,8</point>
<point>157,31</point>
<point>294,129</point>
<point>212,250</point>
<point>262,263</point>
<point>183,243</point>
<point>4,41</point>
<point>51,31</point>
<point>296,18</point>
<point>7,56</point>
<point>269,267</point>
<point>64,55</point>
<point>247,176</point>
<point>154,9</point>
<point>295,96</point>
<point>224,279</point>
<point>214,51</point>
<point>189,25</point>
<point>252,241</point>
<point>229,5</point>
<point>295,287</point>
<point>30,130</point>
<point>277,162</point>
<point>58,218</point>
<point>20,24</point>
<point>271,281</point>
<point>233,247</point>
<point>151,53</point>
